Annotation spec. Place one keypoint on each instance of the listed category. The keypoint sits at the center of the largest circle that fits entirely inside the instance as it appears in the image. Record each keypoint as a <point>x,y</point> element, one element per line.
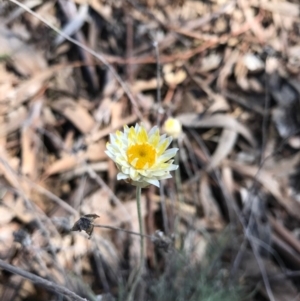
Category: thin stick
<point>41,281</point>
<point>124,230</point>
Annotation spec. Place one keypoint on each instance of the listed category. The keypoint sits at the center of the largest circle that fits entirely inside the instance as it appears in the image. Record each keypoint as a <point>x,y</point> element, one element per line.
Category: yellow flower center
<point>140,154</point>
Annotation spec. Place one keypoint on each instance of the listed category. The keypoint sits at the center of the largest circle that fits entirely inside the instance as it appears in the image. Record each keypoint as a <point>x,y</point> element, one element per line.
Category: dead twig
<point>41,281</point>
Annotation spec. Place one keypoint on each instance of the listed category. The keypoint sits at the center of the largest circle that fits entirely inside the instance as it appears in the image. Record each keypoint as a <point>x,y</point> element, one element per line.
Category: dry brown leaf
<point>30,143</point>
<point>29,88</point>
<point>95,151</point>
<point>103,113</point>
<point>182,208</point>
<point>226,143</point>
<point>256,26</point>
<point>95,136</point>
<point>98,203</point>
<point>77,114</point>
<point>84,169</point>
<point>64,81</point>
<point>18,207</point>
<point>6,215</point>
<point>7,237</point>
<point>117,110</point>
<point>195,246</point>
<point>211,210</point>
<point>219,103</point>
<point>8,80</point>
<point>21,53</point>
<point>217,120</point>
<point>228,179</point>
<point>230,58</point>
<point>270,183</point>
<point>173,76</point>
<point>27,288</point>
<point>210,62</point>
<point>142,85</point>
<point>47,11</point>
<point>66,163</point>
<point>8,167</point>
<point>283,167</point>
<point>103,9</point>
<point>280,7</point>
<point>14,120</point>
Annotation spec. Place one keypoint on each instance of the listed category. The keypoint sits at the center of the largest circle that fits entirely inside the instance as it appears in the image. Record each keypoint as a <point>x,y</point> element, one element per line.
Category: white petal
<point>125,170</point>
<point>112,138</point>
<point>162,137</point>
<point>134,161</point>
<point>170,153</point>
<point>134,174</point>
<point>121,176</point>
<point>156,173</point>
<point>172,167</point>
<point>152,131</point>
<point>143,173</point>
<point>122,162</point>
<point>161,142</point>
<point>152,181</point>
<point>166,176</point>
<point>111,155</point>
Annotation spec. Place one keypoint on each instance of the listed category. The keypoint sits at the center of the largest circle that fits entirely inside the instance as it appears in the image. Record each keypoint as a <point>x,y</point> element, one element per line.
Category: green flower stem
<point>138,203</point>
<point>179,192</point>
<point>141,267</point>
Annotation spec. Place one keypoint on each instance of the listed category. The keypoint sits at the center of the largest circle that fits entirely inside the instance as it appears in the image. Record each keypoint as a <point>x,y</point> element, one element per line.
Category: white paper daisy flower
<point>172,127</point>
<point>142,158</point>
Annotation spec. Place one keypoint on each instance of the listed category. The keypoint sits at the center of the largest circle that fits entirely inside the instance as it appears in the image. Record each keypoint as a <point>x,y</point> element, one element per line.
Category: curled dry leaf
<point>218,120</point>
<point>77,114</point>
<point>226,143</point>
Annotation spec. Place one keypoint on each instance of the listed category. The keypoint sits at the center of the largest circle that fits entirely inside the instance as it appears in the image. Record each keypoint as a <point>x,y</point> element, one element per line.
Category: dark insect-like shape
<point>85,223</point>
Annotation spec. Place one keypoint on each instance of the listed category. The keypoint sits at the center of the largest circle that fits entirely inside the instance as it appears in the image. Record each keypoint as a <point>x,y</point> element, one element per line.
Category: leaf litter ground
<point>230,216</point>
